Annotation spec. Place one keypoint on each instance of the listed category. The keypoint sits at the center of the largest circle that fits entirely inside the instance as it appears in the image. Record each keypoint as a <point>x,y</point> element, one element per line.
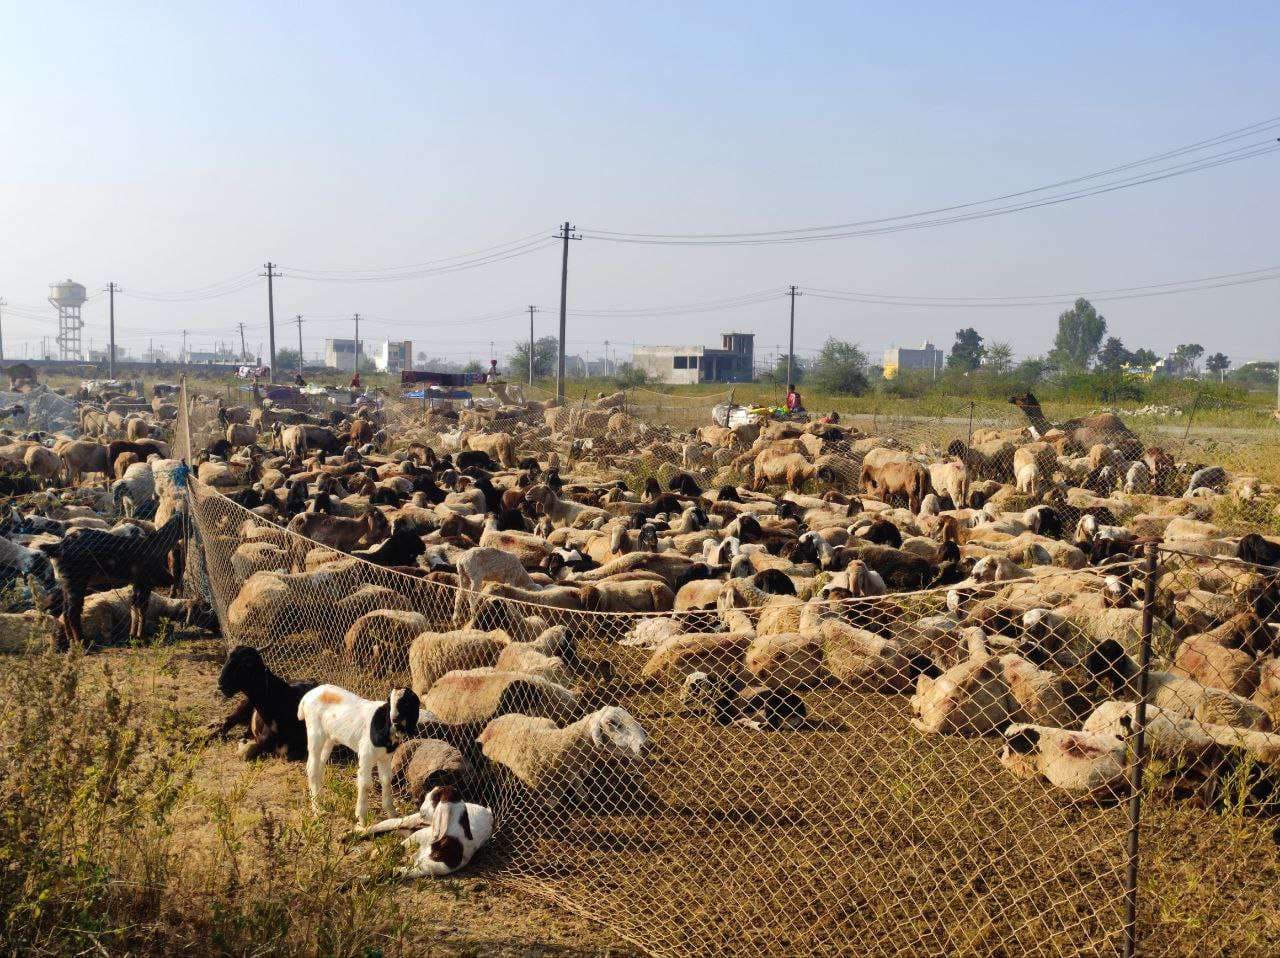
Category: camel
<point>1084,431</point>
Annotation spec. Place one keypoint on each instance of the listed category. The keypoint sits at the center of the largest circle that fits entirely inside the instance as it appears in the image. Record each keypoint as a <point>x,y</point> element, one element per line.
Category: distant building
<point>928,358</point>
<point>686,365</point>
<point>340,354</point>
<point>393,356</point>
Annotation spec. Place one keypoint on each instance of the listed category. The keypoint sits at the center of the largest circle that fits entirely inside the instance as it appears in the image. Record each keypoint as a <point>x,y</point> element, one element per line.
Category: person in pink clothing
<point>794,402</point>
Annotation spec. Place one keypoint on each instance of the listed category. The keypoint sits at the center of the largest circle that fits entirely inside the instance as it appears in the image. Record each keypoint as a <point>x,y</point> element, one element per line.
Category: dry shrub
<point>97,853</point>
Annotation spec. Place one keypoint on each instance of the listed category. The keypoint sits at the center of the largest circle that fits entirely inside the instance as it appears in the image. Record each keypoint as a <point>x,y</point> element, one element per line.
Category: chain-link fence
<point>955,770</point>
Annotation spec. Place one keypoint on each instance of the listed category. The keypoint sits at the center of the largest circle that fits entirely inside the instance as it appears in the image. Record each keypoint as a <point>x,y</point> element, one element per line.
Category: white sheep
<point>1138,479</point>
<point>1089,766</point>
<point>1028,477</point>
<point>554,762</point>
<point>371,729</point>
<point>447,832</point>
<point>480,565</point>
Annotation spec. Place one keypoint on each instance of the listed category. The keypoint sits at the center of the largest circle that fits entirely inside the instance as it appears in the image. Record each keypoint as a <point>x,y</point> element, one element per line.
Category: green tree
<point>840,367</point>
<point>1255,375</point>
<point>778,374</point>
<point>966,354</point>
<point>286,361</point>
<point>1112,356</point>
<point>999,358</point>
<point>544,358</point>
<point>629,375</point>
<point>1080,331</point>
<point>1186,358</point>
<point>1218,363</point>
<point>1033,370</point>
<point>1143,357</point>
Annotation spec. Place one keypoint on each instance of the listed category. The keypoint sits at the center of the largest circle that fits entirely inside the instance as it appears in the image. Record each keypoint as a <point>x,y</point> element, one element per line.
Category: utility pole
<point>111,346</point>
<point>357,360</point>
<point>271,274</point>
<point>244,353</point>
<point>532,310</point>
<point>183,357</point>
<point>566,233</point>
<point>298,320</point>
<point>791,347</point>
<point>1,329</point>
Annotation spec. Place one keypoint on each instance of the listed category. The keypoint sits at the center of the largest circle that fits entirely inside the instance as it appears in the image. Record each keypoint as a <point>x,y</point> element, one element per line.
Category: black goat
<point>728,494</point>
<point>1255,549</point>
<point>269,709</point>
<point>86,558</point>
<point>684,484</point>
<point>402,547</point>
<point>882,532</point>
<point>471,458</point>
<point>774,582</point>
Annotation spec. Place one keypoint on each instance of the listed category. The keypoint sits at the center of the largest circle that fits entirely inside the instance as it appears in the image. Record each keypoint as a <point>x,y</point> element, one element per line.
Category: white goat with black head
<point>371,729</point>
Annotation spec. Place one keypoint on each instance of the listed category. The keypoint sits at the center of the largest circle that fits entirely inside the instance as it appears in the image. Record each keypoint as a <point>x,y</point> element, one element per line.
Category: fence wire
<point>936,771</point>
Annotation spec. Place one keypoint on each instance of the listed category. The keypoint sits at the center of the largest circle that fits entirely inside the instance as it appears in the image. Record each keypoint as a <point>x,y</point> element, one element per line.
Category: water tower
<point>67,297</point>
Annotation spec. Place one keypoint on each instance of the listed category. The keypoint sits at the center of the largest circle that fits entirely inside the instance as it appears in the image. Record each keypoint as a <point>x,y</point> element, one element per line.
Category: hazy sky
<point>173,146</point>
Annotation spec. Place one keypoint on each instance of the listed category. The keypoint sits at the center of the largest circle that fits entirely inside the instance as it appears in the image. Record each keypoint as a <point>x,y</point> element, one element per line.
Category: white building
<point>393,356</point>
<point>685,365</point>
<point>928,358</point>
<point>340,354</point>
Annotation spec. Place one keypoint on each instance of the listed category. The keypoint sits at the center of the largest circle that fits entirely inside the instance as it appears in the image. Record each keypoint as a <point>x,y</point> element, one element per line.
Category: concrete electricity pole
<point>566,233</point>
<point>244,352</point>
<point>271,274</point>
<point>298,320</point>
<point>1,329</point>
<point>532,310</point>
<point>111,346</point>
<point>791,343</point>
<point>357,359</point>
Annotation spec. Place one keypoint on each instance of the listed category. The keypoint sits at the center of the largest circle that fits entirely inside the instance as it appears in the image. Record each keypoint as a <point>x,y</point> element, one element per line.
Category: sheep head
<point>616,730</point>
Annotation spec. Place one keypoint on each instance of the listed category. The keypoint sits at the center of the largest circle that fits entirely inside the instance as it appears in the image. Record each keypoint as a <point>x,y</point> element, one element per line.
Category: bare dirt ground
<point>467,915</point>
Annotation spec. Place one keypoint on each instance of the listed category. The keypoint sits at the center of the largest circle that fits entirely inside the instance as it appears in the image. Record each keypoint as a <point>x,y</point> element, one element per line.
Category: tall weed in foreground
<point>97,814</point>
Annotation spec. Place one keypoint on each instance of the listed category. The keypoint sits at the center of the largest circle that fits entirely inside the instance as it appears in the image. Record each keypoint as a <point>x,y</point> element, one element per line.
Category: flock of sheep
<point>513,563</point>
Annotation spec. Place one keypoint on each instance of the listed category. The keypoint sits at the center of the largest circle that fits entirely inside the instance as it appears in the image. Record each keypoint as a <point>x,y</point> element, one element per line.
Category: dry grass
<point>124,832</point>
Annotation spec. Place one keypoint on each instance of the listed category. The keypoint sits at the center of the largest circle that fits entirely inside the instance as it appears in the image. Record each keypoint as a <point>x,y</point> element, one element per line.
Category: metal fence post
<point>1138,754</point>
<point>969,442</point>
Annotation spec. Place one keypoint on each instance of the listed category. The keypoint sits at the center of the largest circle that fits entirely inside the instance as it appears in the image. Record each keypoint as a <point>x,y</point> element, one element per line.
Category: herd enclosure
<point>853,833</point>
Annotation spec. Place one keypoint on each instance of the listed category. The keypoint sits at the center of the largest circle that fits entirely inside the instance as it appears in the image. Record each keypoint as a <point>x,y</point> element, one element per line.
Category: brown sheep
<point>81,456</point>
<point>123,463</point>
<point>241,434</point>
<point>42,463</point>
<point>909,479</point>
<point>499,445</point>
<point>635,596</point>
<point>775,465</point>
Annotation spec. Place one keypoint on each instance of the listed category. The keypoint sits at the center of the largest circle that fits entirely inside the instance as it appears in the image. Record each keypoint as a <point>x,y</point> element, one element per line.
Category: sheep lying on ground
<point>371,729</point>
<point>1088,766</point>
<point>554,763</point>
<point>435,654</point>
<point>479,695</point>
<point>421,764</point>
